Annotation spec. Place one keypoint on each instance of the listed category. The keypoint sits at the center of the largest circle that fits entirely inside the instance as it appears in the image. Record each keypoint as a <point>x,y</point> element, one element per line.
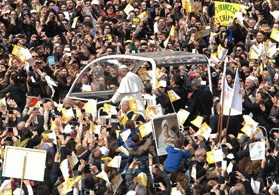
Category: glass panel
<point>101,79</point>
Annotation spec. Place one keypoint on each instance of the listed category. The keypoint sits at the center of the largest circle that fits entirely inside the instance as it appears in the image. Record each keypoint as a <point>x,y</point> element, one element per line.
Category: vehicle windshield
<point>100,79</point>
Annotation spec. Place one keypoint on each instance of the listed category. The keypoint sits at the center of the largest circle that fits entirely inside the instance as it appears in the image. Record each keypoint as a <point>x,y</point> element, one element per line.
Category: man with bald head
<point>130,86</point>
<point>125,109</point>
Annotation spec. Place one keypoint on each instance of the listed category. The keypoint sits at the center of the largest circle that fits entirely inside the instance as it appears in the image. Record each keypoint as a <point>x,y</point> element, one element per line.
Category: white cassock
<point>130,88</point>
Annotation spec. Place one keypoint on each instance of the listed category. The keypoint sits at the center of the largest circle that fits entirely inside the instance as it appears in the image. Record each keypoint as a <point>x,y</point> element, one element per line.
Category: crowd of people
<point>113,155</point>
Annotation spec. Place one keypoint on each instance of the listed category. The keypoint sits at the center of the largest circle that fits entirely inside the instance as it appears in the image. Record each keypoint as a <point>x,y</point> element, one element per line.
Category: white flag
<point>237,97</point>
<point>232,96</point>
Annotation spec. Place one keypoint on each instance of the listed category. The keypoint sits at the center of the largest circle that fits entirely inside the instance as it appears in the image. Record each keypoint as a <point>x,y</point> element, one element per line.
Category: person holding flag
<point>177,94</point>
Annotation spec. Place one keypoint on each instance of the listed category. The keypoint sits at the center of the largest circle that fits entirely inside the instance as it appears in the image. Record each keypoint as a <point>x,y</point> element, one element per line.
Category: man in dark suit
<point>201,101</point>
<point>176,84</point>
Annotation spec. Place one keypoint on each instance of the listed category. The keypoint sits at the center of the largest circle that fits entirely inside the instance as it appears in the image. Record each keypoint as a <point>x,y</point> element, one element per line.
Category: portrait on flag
<point>166,128</point>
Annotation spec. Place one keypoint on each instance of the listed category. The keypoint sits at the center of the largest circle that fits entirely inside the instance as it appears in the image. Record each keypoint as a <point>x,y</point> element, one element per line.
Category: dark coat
<point>181,103</point>
<point>17,93</point>
<point>201,103</point>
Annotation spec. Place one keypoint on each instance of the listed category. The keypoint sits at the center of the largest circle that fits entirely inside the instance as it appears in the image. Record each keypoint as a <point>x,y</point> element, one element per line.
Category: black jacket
<point>201,103</point>
<point>181,103</point>
<point>17,93</point>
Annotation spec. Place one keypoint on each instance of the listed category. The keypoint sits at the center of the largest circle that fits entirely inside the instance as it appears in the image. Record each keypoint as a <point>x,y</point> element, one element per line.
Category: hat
<point>123,67</point>
<point>33,11</point>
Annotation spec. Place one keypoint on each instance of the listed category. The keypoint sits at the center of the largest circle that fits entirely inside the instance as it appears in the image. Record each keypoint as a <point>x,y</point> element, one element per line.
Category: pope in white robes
<point>130,86</point>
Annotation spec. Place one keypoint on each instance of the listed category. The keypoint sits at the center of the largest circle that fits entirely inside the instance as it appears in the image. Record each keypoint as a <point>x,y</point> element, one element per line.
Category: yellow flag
<point>91,127</point>
<point>173,96</point>
<point>67,113</point>
<point>124,135</point>
<point>239,135</point>
<point>78,111</point>
<point>91,107</point>
<point>69,184</point>
<point>253,55</point>
<point>133,105</point>
<point>128,9</point>
<point>172,30</point>
<point>143,16</point>
<point>151,112</point>
<point>75,20</point>
<point>124,150</point>
<point>141,178</point>
<point>275,34</point>
<point>103,175</point>
<point>117,133</point>
<point>182,116</point>
<point>17,51</point>
<point>10,62</point>
<point>50,136</point>
<point>106,158</point>
<point>187,5</point>
<point>109,109</point>
<point>221,52</point>
<point>115,162</point>
<point>210,157</point>
<point>7,192</point>
<point>197,121</point>
<point>53,125</point>
<point>159,73</point>
<point>73,160</point>
<point>166,42</point>
<point>21,52</point>
<point>123,120</point>
<point>3,101</point>
<point>144,75</point>
<point>145,129</point>
<point>204,131</point>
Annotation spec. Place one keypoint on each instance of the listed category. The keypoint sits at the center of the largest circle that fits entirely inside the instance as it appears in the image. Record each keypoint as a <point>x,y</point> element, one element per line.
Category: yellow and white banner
<point>225,12</point>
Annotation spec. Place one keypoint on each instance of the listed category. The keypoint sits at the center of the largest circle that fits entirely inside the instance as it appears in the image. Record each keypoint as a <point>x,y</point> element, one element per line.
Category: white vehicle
<point>106,67</point>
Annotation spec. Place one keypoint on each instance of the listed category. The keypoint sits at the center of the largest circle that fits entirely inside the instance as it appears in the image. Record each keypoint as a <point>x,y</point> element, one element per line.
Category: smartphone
<point>11,112</point>
<point>51,60</point>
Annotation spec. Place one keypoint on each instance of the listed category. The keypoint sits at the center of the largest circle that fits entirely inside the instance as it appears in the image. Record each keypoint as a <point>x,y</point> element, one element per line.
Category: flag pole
<point>172,107</point>
<point>228,120</point>
<point>222,103</point>
<point>221,117</point>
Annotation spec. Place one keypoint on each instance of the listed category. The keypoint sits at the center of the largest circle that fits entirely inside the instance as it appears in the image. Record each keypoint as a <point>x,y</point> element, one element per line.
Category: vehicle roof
<point>174,57</point>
